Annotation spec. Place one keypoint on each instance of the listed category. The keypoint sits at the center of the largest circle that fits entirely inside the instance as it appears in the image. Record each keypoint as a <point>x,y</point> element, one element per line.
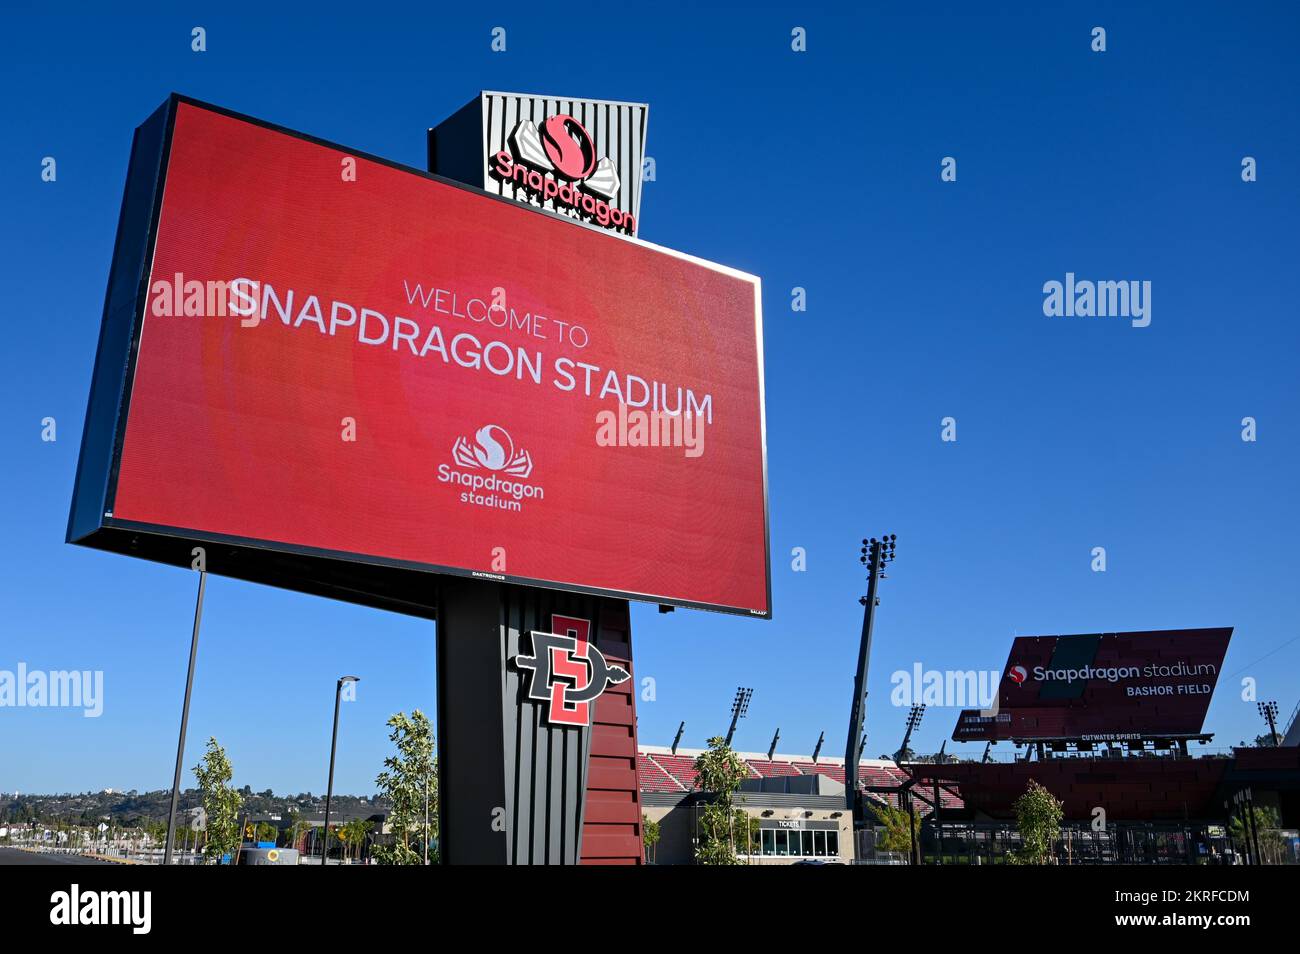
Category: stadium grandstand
<point>797,803</point>
<point>1159,809</point>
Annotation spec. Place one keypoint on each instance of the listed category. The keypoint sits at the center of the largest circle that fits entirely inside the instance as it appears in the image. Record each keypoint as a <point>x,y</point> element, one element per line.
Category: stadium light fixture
<point>739,709</point>
<point>1269,711</point>
<point>913,723</point>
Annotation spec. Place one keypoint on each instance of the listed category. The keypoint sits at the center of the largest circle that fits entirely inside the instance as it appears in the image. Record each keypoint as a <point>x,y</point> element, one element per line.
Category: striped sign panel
<point>532,133</point>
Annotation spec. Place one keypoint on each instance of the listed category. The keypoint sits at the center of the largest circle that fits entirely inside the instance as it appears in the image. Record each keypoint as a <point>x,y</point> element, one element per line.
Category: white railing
<point>1290,727</point>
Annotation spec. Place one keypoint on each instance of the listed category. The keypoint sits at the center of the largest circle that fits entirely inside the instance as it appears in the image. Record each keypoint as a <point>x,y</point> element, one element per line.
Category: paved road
<point>12,856</point>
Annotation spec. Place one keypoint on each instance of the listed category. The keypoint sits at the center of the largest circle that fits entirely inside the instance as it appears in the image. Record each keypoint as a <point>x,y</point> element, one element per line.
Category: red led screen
<point>342,355</point>
<point>1102,687</point>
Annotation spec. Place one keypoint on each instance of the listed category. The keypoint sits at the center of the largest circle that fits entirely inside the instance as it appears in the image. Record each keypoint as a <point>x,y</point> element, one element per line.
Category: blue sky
<point>818,170</point>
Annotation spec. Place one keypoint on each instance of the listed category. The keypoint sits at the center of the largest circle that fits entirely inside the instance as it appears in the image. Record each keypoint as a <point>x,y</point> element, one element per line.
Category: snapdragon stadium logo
<point>1018,674</point>
<point>558,164</point>
<point>567,671</point>
<point>484,468</point>
<point>493,450</point>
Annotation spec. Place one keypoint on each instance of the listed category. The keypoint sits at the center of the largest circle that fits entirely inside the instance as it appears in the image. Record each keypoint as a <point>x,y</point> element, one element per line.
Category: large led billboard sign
<point>328,356</point>
<point>1102,687</point>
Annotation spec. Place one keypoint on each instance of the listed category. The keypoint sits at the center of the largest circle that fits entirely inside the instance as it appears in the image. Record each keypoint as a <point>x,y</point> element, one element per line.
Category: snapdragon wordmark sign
<point>581,158</point>
<point>1103,687</point>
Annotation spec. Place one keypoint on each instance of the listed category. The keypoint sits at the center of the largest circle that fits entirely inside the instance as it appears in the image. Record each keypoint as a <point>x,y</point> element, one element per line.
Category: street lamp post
<point>334,744</point>
<point>185,719</point>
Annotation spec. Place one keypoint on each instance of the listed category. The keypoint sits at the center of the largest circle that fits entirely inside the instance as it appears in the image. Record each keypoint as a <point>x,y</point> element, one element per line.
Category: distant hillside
<point>130,809</point>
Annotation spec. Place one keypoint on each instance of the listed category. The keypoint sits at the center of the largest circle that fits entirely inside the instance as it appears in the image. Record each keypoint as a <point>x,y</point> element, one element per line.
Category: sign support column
<point>515,785</point>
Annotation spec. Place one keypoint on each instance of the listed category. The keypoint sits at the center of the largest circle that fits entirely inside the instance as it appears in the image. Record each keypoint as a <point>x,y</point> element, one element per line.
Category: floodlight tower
<point>739,708</point>
<point>913,723</point>
<point>875,555</point>
<point>1269,711</point>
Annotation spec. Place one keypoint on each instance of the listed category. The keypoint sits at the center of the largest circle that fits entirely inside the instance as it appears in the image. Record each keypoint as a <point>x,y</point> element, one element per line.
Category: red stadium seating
<point>772,769</point>
<point>821,768</point>
<point>680,767</point>
<point>672,773</point>
<point>653,778</point>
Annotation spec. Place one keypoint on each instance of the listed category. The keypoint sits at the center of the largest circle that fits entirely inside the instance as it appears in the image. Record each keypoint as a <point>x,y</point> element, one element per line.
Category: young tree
<point>155,830</point>
<point>220,801</point>
<point>749,826</point>
<point>297,827</point>
<point>1038,815</point>
<point>411,777</point>
<point>1267,822</point>
<point>649,836</point>
<point>357,830</point>
<point>341,835</point>
<point>720,772</point>
<point>896,822</point>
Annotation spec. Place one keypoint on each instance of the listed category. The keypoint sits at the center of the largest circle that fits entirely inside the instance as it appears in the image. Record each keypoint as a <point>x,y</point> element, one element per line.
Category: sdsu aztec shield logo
<point>568,671</point>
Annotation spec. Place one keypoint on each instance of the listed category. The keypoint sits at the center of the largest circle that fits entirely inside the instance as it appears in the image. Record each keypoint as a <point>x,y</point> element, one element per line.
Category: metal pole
<point>911,830</point>
<point>1245,833</point>
<point>329,791</point>
<point>185,719</point>
<point>938,825</point>
<point>426,818</point>
<point>857,714</point>
<point>1239,811</point>
<point>1254,830</point>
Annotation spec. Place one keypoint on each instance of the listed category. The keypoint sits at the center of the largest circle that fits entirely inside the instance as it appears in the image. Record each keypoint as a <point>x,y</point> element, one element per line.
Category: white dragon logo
<point>495,451</point>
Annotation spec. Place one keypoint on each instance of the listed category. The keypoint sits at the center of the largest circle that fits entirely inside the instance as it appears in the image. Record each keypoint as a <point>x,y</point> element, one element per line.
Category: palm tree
<point>353,834</point>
